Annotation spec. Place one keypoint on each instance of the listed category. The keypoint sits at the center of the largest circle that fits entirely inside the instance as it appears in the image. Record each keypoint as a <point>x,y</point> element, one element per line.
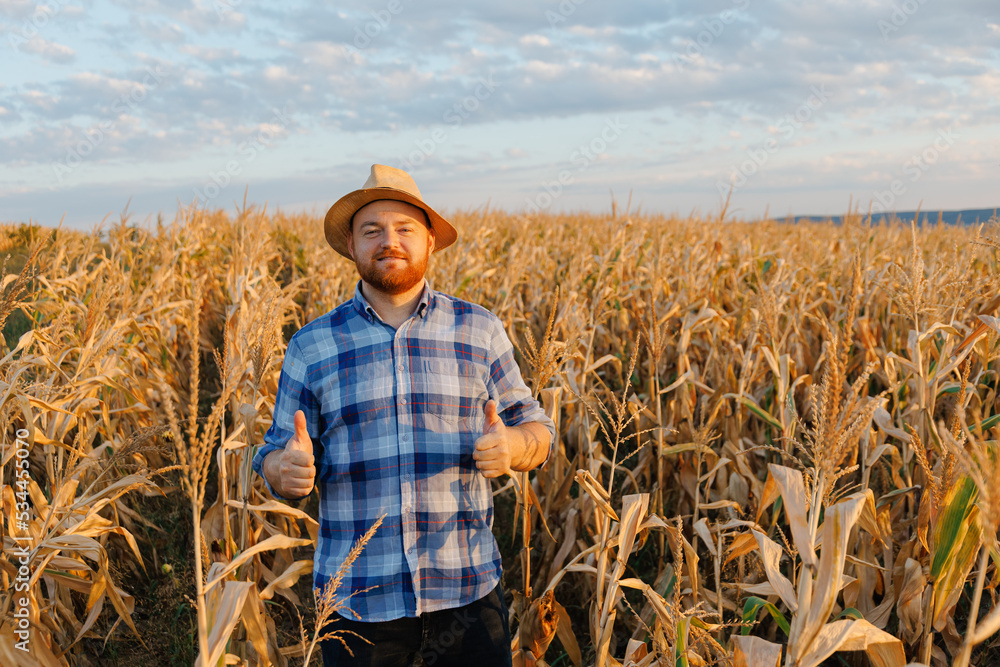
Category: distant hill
<point>967,217</point>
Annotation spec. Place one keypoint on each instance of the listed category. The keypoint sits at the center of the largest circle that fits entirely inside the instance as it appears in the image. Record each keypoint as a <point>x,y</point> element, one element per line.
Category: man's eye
<point>371,232</point>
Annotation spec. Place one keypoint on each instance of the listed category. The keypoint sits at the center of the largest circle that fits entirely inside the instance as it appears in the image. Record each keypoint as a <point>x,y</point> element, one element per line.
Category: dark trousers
<point>475,634</point>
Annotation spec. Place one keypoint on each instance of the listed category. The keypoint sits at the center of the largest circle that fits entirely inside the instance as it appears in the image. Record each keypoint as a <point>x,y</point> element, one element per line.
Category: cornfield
<point>777,443</point>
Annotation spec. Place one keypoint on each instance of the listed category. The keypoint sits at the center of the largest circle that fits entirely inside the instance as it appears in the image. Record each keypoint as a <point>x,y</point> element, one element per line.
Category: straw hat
<point>383,183</point>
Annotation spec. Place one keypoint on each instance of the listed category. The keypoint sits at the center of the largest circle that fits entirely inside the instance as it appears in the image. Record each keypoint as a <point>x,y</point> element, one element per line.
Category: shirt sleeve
<point>293,395</point>
<point>515,404</point>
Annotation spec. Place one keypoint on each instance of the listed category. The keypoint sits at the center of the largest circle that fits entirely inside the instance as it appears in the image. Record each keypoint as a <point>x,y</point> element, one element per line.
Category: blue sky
<point>542,104</point>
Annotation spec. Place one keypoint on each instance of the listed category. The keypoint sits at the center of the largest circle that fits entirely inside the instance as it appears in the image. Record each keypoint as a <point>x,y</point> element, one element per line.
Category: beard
<point>392,279</point>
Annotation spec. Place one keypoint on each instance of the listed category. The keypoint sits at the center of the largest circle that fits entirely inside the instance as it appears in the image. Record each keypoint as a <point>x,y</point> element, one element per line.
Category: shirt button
<point>404,438</point>
<point>400,368</point>
<point>402,401</point>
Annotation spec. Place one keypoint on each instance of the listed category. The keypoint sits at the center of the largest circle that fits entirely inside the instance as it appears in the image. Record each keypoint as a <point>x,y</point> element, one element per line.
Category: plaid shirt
<point>394,415</point>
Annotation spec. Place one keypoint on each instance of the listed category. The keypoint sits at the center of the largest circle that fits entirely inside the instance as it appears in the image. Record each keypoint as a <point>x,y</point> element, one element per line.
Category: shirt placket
<point>407,453</point>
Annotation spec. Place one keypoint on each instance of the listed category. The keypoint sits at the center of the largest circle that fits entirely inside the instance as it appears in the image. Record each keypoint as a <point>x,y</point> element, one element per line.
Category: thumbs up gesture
<point>492,454</point>
<point>296,468</point>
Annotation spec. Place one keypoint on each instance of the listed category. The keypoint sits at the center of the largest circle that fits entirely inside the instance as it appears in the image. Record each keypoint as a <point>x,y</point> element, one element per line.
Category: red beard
<point>393,277</point>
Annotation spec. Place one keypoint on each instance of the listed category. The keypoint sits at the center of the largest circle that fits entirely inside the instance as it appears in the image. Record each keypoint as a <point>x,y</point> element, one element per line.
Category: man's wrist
<point>271,474</point>
<point>528,448</point>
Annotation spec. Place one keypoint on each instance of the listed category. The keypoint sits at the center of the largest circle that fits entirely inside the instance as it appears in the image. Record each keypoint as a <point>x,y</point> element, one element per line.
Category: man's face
<point>390,243</point>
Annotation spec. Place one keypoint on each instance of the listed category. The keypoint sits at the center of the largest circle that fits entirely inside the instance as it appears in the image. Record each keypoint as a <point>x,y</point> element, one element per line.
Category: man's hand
<point>294,467</point>
<point>492,453</point>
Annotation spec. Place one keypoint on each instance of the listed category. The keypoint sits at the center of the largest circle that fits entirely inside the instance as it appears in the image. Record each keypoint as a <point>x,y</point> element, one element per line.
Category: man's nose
<point>390,239</point>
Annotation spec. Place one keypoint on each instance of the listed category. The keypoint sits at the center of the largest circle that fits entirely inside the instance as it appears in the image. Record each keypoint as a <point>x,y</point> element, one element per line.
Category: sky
<point>790,108</point>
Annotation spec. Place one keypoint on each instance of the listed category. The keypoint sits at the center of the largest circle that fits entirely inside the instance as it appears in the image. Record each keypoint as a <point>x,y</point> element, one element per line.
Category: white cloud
<point>276,73</point>
<point>677,62</point>
<point>534,40</point>
<point>208,54</point>
<point>57,53</point>
<point>17,8</point>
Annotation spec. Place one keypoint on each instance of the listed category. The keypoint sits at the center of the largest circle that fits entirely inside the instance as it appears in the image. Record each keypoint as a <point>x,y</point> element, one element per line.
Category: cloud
<point>710,79</point>
<point>17,8</point>
<point>202,16</point>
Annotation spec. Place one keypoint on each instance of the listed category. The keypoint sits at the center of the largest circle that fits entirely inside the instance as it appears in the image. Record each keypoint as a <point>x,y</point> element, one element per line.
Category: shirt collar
<point>365,310</point>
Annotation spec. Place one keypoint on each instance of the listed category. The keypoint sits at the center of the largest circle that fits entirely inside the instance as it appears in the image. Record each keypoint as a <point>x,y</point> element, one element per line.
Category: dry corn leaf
<point>751,651</point>
<point>564,630</point>
<point>910,606</point>
<point>722,504</point>
<point>740,545</point>
<point>117,489</point>
<point>634,507</point>
<point>869,519</point>
<point>701,528</point>
<point>596,492</point>
<point>273,542</point>
<point>884,421</point>
<point>882,649</point>
<point>770,556</point>
<point>836,529</point>
<point>95,603</point>
<point>39,653</point>
<point>253,620</point>
<point>123,602</point>
<point>793,493</point>
<point>224,610</point>
<point>604,641</point>
<point>287,578</point>
<point>635,651</point>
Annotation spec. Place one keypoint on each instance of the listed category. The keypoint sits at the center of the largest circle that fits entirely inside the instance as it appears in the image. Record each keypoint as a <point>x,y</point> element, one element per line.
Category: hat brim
<point>338,219</point>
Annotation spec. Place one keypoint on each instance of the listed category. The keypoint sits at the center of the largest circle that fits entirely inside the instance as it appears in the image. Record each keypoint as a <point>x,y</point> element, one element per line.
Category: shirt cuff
<point>552,443</point>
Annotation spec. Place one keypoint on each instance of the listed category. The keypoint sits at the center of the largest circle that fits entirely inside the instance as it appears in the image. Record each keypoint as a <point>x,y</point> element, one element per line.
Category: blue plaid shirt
<point>394,415</point>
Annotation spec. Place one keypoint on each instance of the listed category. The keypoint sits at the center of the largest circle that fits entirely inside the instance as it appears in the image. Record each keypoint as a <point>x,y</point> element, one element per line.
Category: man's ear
<point>432,244</point>
<point>350,245</point>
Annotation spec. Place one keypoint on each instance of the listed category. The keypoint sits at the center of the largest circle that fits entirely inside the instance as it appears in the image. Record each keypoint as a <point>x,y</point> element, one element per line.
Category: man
<point>404,401</point>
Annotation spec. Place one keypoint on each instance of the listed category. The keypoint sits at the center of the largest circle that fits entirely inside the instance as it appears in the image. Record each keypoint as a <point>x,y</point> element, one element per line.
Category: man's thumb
<point>490,410</point>
<point>301,441</point>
